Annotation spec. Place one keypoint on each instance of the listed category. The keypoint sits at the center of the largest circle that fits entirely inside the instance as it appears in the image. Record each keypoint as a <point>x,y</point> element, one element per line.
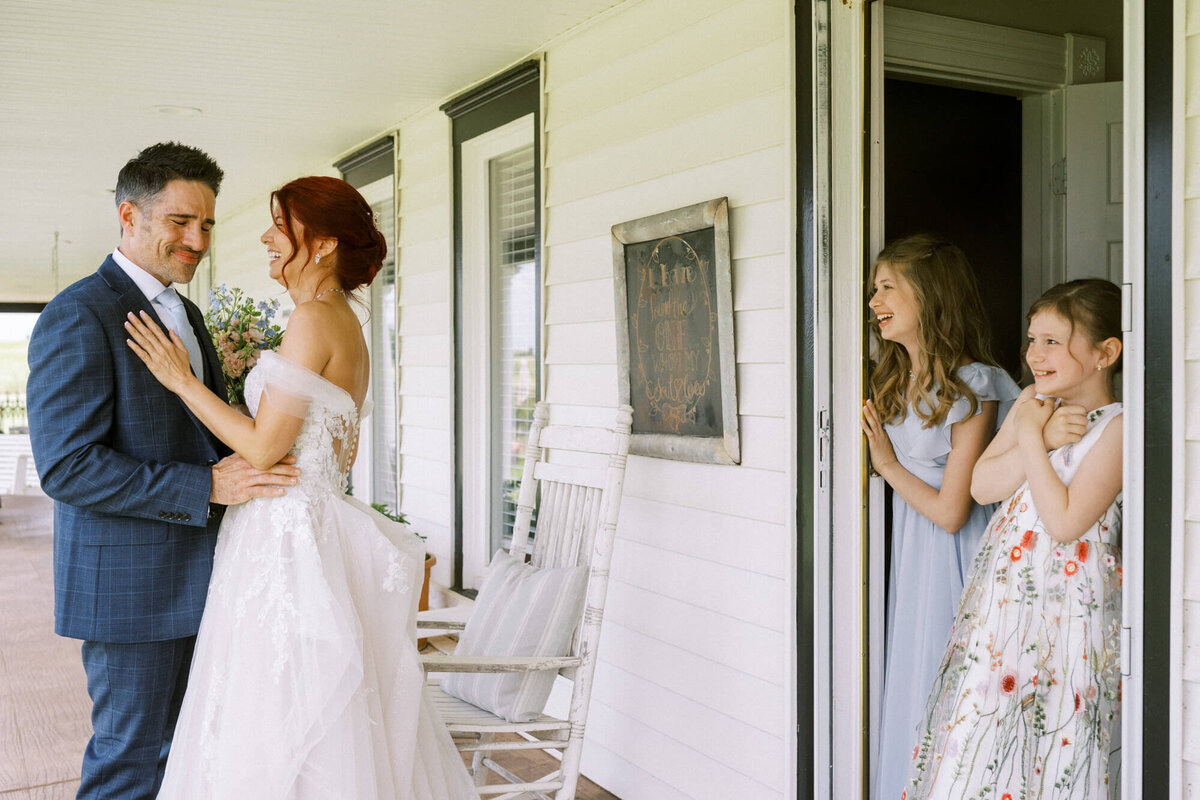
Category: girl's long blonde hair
<point>952,328</point>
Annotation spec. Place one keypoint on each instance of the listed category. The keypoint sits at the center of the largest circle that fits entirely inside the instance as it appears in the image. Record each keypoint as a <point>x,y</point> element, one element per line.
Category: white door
<point>1094,185</point>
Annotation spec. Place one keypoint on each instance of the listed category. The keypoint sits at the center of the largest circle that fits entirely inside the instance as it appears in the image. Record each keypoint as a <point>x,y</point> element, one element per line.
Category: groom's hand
<point>234,481</point>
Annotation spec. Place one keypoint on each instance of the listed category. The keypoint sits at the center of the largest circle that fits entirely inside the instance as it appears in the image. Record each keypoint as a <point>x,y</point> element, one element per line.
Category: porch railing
<point>13,416</point>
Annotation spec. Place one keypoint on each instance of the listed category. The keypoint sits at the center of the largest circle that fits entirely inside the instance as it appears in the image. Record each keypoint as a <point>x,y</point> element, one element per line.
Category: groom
<point>139,485</point>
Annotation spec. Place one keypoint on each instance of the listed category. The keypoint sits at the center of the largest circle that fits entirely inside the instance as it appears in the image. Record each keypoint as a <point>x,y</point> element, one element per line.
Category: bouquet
<point>241,330</point>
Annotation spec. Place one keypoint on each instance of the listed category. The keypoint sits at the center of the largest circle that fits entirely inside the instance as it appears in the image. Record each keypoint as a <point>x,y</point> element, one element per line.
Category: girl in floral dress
<point>1026,700</point>
<point>938,400</point>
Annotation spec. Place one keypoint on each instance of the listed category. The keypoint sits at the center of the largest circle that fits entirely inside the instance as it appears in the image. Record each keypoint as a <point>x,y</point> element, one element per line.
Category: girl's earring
<point>317,260</point>
<point>1099,366</point>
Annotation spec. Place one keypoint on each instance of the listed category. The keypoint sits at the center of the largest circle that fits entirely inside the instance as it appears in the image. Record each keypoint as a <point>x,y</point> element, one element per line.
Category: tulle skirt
<point>306,681</point>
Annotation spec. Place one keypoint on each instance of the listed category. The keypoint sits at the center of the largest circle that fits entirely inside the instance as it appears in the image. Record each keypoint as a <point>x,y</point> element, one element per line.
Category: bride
<point>306,681</point>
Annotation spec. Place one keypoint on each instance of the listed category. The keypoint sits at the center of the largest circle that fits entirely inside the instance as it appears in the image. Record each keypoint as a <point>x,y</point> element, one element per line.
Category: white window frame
<point>361,474</point>
<point>477,325</point>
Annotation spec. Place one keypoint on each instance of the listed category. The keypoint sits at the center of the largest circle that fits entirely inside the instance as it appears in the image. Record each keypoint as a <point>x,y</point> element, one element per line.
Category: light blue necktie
<point>170,301</point>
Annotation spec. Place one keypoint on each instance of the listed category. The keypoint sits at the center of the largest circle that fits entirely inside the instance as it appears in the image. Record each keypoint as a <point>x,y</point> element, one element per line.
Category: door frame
<point>837,228</point>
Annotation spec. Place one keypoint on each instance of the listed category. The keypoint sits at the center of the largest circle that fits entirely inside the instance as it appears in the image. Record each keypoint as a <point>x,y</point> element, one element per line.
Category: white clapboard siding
<point>425,277</point>
<point>659,106</point>
<point>661,759</point>
<point>1190,769</point>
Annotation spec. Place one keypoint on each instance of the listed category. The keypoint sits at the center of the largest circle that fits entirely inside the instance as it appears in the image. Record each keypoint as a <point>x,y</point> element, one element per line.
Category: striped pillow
<point>521,610</point>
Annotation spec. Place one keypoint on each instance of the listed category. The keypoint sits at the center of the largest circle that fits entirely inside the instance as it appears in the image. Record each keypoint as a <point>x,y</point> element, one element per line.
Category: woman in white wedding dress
<point>306,681</point>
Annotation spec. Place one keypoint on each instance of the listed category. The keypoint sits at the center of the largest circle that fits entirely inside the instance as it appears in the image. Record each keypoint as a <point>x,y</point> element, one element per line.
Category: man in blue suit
<point>139,485</point>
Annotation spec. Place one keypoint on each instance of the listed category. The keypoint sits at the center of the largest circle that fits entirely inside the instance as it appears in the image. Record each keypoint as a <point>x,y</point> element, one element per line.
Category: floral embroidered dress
<point>1025,703</point>
<point>928,569</point>
<point>306,681</point>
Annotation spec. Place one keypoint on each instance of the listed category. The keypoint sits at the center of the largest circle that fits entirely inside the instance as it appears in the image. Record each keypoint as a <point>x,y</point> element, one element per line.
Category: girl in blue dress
<point>938,399</point>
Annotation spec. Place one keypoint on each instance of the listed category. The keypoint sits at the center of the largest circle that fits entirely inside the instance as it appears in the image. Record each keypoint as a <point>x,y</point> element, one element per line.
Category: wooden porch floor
<point>44,707</point>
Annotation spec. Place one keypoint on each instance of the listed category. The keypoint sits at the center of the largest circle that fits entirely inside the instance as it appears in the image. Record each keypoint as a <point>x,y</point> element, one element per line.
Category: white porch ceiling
<point>283,87</point>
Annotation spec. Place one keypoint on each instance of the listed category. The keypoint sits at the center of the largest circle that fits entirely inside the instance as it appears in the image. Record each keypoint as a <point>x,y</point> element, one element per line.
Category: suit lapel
<point>213,377</point>
<point>133,300</point>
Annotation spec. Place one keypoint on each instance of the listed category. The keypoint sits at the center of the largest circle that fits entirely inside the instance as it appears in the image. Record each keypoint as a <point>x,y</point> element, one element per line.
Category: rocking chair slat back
<point>574,477</point>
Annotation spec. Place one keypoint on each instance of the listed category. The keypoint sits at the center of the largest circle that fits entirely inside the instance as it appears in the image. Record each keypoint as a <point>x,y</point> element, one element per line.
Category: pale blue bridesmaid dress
<point>928,568</point>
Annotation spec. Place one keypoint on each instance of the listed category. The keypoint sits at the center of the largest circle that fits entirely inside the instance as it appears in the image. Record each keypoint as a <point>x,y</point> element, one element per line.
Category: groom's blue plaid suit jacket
<point>127,466</point>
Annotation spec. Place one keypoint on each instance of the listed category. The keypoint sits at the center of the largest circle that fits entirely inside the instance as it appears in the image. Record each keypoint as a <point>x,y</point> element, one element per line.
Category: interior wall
<point>952,165</point>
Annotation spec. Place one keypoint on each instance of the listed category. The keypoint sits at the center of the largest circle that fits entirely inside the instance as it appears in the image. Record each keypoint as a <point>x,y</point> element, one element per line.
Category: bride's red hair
<point>331,208</point>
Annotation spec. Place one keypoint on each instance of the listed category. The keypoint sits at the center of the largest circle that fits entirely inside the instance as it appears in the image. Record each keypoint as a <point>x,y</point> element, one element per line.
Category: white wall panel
<point>692,772</point>
<point>726,741</point>
<point>710,639</point>
<point>421,381</point>
<point>581,260</point>
<point>749,700</point>
<point>745,178</point>
<point>1190,668</point>
<point>660,106</point>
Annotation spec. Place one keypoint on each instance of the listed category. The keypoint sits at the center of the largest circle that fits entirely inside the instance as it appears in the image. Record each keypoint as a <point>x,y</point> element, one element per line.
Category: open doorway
<point>1021,170</point>
<point>953,167</point>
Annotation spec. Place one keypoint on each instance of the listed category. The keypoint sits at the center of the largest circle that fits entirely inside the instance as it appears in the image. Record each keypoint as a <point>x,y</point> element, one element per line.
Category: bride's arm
<point>263,440</point>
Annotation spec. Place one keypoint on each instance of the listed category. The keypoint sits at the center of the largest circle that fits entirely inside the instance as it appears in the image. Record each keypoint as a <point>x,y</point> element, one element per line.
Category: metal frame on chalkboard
<point>722,449</point>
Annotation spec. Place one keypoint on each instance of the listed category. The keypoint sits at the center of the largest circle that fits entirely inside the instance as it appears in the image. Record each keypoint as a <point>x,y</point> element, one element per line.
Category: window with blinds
<point>383,364</point>
<point>515,327</point>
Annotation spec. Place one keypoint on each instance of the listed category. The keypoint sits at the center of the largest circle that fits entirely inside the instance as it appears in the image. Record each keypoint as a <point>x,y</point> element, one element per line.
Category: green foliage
<point>396,516</point>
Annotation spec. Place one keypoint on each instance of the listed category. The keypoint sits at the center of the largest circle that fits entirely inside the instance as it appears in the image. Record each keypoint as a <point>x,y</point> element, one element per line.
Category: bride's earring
<point>317,260</point>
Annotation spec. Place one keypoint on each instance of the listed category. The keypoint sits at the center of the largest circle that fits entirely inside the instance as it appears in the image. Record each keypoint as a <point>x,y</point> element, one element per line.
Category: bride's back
<point>349,364</point>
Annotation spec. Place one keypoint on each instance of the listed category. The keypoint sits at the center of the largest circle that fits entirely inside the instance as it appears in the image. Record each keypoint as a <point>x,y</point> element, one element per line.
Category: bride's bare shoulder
<point>328,340</point>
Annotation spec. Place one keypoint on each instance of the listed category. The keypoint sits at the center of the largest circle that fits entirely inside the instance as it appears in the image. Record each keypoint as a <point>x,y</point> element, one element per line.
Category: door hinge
<point>822,447</point>
<point>1058,176</point>
<point>1126,307</point>
<point>1126,638</point>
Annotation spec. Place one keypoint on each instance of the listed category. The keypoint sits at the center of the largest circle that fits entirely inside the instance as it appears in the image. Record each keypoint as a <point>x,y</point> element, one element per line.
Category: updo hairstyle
<point>331,208</point>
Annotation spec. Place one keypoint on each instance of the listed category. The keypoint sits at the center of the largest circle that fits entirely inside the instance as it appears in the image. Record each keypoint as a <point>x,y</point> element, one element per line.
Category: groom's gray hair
<point>147,173</point>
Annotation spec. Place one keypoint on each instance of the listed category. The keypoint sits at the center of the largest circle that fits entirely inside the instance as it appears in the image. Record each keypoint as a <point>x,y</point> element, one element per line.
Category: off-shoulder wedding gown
<point>306,681</point>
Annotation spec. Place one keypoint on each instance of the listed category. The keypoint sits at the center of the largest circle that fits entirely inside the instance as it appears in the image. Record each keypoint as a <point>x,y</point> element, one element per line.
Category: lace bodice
<point>329,434</point>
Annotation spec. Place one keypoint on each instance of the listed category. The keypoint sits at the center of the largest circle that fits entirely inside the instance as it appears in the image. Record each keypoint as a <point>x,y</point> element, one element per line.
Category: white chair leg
<point>572,754</point>
<point>21,468</point>
<point>479,769</point>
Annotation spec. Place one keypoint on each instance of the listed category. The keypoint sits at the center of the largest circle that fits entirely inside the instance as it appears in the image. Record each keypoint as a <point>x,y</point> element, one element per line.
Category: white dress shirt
<point>153,289</point>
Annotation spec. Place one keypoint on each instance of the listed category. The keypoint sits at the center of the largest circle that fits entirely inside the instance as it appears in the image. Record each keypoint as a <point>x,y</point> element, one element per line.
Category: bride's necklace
<point>319,295</point>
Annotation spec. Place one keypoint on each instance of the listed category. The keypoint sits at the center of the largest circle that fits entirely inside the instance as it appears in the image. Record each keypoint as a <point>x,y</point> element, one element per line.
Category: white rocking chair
<point>576,525</point>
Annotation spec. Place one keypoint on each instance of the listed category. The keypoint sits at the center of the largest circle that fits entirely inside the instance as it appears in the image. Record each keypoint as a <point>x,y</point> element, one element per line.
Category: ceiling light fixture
<point>178,112</point>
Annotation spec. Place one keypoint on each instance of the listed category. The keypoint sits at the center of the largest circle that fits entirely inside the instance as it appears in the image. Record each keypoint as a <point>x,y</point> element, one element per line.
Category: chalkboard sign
<point>675,333</point>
